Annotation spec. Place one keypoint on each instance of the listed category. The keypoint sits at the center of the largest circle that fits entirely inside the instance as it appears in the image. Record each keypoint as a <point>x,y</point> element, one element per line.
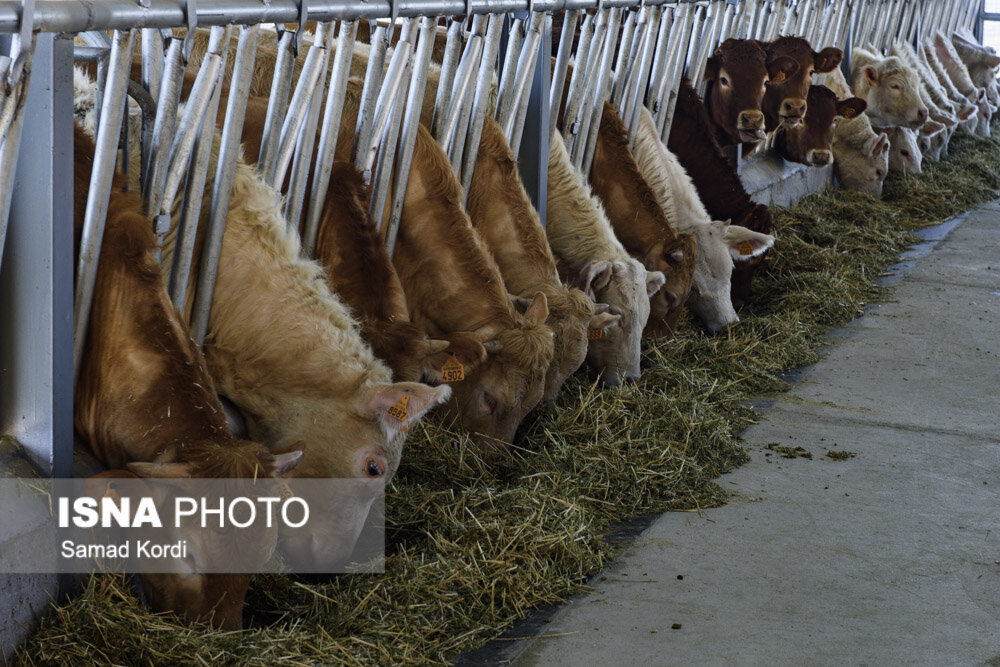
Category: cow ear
<point>851,107</point>
<point>654,281</point>
<point>881,144</point>
<point>165,470</point>
<point>946,121</point>
<point>538,311</point>
<point>827,59</point>
<point>931,127</point>
<point>871,75</point>
<point>596,277</point>
<point>400,405</point>
<point>745,244</point>
<point>993,62</point>
<point>285,462</point>
<point>604,321</point>
<point>782,68</point>
<point>462,347</point>
<point>711,68</point>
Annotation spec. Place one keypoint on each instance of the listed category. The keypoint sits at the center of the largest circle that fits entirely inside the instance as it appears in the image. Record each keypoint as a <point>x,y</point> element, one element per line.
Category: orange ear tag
<point>850,113</point>
<point>398,411</point>
<point>778,78</point>
<point>453,370</point>
<point>595,334</point>
<point>745,248</point>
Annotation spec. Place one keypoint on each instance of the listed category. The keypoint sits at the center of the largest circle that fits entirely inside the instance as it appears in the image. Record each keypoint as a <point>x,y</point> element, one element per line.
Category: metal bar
<point>623,60</point>
<point>390,133</point>
<point>100,188</point>
<point>706,45</point>
<point>791,10</point>
<point>411,121</point>
<point>384,105</point>
<point>452,137</point>
<point>693,45</point>
<point>775,19</point>
<point>484,85</point>
<point>152,74</point>
<point>336,93</point>
<point>373,79</point>
<point>676,75</point>
<point>508,75</point>
<point>666,81</point>
<point>577,81</point>
<point>302,163</point>
<point>525,73</point>
<point>659,59</point>
<point>446,79</point>
<point>589,95</point>
<point>589,134</point>
<point>641,75</point>
<point>277,106</point>
<point>10,144</point>
<point>561,67</point>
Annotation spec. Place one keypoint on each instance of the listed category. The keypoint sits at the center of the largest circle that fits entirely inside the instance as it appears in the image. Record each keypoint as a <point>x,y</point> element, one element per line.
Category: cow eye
<point>894,86</point>
<point>724,81</point>
<point>879,173</point>
<point>373,468</point>
<point>905,153</point>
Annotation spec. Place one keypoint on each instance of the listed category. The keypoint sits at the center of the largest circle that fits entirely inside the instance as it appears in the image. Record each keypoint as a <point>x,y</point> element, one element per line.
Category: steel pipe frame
<point>679,65</point>
<point>277,105</point>
<point>656,76</point>
<point>707,43</point>
<point>449,65</point>
<point>561,67</point>
<point>590,95</point>
<point>589,139</point>
<point>373,80</point>
<point>623,59</point>
<point>668,77</point>
<point>332,114</point>
<point>522,84</point>
<point>411,121</point>
<point>509,71</point>
<point>693,44</point>
<point>639,81</point>
<point>450,130</point>
<point>164,127</point>
<point>481,101</point>
<point>99,190</point>
<point>578,81</point>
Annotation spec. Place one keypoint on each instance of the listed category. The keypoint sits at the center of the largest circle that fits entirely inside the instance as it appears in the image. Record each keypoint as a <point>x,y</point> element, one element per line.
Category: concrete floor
<point>888,557</point>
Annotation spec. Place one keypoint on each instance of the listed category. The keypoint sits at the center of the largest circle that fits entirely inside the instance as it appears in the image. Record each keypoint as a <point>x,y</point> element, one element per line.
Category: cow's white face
<point>357,437</point>
<point>904,150</point>
<point>894,98</point>
<point>864,169</point>
<point>623,287</point>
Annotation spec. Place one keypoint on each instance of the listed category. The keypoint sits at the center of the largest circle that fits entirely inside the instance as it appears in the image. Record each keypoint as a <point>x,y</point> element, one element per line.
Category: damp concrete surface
<point>865,530</point>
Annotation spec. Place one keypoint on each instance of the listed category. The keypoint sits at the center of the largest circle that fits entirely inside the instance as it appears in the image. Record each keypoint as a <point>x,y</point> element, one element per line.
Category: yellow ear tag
<point>778,78</point>
<point>745,248</point>
<point>453,370</point>
<point>595,334</point>
<point>398,411</point>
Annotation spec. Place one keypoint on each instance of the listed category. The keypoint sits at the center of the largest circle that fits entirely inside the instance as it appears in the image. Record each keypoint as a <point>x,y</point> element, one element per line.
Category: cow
<point>890,88</point>
<point>959,75</point>
<point>969,122</point>
<point>786,99</point>
<point>982,62</point>
<point>904,150</point>
<point>810,141</point>
<point>359,271</point>
<point>642,226</point>
<point>719,187</point>
<point>502,214</point>
<point>145,400</point>
<point>860,156</point>
<point>453,284</point>
<point>719,244</point>
<point>589,256</point>
<point>736,75</point>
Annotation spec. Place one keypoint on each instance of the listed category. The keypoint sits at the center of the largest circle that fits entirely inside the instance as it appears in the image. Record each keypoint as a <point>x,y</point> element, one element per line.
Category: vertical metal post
<point>533,160</point>
<point>561,67</point>
<point>36,278</point>
<point>480,104</point>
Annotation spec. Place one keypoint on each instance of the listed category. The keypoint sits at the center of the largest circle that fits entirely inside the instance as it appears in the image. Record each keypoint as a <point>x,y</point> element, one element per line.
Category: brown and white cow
<point>452,284</point>
<point>502,214</point>
<point>641,224</point>
<point>810,141</point>
<point>359,271</point>
<point>890,88</point>
<point>719,244</point>
<point>590,257</point>
<point>145,400</point>
<point>736,74</point>
<point>719,186</point>
<point>786,99</point>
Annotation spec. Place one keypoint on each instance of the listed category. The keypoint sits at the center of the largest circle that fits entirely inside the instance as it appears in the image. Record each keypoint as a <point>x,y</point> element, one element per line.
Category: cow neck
<point>718,185</point>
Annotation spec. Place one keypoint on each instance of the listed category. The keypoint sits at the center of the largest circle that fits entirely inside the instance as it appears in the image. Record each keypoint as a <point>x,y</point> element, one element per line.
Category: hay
<point>475,545</point>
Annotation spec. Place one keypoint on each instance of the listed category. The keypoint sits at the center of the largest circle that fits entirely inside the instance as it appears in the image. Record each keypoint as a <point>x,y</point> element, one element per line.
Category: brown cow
<point>736,74</point>
<point>810,141</point>
<point>358,269</point>
<point>144,398</point>
<point>502,213</point>
<point>717,182</point>
<point>639,222</point>
<point>786,99</point>
<point>452,284</point>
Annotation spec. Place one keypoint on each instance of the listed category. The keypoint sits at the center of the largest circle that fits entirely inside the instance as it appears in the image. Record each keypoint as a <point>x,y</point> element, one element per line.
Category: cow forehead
<point>742,57</point>
<point>793,47</point>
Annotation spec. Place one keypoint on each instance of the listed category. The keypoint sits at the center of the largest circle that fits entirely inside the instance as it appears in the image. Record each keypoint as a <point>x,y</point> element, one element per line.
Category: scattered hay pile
<point>473,546</point>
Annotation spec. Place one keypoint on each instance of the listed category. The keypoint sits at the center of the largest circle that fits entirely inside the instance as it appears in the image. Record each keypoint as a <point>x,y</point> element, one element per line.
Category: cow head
<point>626,287</point>
<point>904,150</point>
<point>363,430</point>
<point>786,98</point>
<point>736,74</point>
<point>861,156</point>
<point>933,137</point>
<point>811,141</point>
<point>676,260</point>
<point>720,244</point>
<point>217,598</point>
<point>406,349</point>
<point>758,218</point>
<point>496,395</point>
<point>571,316</point>
<point>891,89</point>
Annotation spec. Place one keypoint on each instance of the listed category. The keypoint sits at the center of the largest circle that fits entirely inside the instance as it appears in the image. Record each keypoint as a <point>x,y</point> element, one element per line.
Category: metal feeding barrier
<point>495,60</point>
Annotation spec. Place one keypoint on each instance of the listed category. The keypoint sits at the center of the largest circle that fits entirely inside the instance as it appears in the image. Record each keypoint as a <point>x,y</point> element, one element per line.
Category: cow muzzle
<point>751,126</point>
<point>820,158</point>
<point>793,110</point>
